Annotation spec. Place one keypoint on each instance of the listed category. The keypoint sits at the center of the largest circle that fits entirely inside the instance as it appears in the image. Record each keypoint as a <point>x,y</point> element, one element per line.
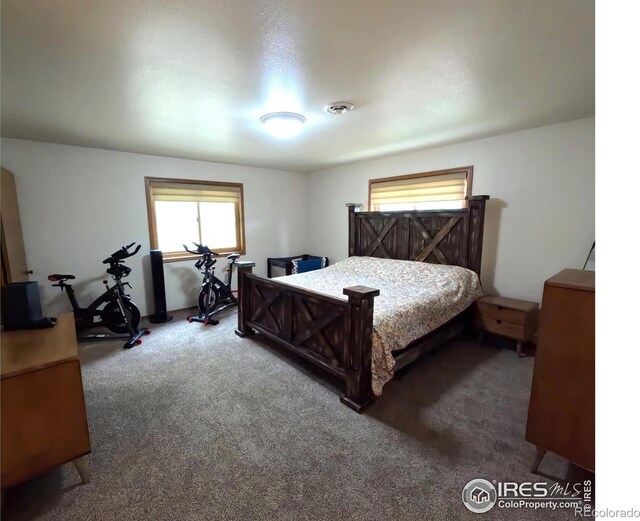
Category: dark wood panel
<point>451,237</point>
<point>307,321</point>
<point>384,236</point>
<point>439,240</point>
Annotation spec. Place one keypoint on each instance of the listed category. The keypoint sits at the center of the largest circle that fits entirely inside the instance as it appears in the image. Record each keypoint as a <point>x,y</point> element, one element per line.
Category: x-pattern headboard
<point>438,236</point>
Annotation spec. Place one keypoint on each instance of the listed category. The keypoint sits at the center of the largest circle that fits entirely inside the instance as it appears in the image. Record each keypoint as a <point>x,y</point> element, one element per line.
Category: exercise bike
<point>215,295</point>
<point>119,313</point>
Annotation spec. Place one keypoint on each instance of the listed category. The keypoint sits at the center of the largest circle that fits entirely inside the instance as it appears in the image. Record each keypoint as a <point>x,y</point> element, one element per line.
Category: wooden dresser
<point>562,405</point>
<point>44,422</point>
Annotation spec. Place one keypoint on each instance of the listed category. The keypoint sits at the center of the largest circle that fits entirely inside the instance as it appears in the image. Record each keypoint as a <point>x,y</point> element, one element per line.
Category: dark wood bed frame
<point>336,334</point>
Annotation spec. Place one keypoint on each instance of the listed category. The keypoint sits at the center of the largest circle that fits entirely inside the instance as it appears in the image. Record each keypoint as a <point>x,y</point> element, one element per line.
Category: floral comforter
<point>415,298</point>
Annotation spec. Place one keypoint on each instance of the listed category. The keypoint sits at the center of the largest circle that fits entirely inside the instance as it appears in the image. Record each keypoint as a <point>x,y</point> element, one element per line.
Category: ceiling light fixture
<point>283,124</point>
<point>338,107</point>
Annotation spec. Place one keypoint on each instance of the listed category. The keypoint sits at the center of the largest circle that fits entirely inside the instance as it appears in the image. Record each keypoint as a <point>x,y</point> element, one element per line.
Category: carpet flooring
<point>199,424</point>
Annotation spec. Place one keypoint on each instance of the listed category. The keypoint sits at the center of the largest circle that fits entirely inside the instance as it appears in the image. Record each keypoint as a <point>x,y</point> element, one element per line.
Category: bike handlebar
<point>122,254</point>
<point>201,250</point>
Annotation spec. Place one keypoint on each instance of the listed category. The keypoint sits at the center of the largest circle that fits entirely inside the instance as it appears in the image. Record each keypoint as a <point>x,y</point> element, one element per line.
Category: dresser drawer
<point>501,327</point>
<point>497,312</point>
<point>44,421</point>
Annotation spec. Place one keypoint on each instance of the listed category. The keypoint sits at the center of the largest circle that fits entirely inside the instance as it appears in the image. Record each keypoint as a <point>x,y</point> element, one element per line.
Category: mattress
<point>415,299</point>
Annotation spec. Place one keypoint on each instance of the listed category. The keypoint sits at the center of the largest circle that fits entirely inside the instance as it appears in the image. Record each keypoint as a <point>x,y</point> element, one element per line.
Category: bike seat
<point>57,277</point>
<point>233,256</point>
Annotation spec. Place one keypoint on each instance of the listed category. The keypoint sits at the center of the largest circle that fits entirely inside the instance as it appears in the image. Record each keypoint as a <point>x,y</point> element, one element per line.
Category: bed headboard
<point>438,236</point>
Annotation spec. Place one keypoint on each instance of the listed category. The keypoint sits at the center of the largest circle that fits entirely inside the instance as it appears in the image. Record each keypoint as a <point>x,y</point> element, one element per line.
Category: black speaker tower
<point>159,295</point>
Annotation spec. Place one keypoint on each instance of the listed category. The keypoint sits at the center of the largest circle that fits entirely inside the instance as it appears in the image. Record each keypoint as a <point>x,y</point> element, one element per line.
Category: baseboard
<point>179,310</point>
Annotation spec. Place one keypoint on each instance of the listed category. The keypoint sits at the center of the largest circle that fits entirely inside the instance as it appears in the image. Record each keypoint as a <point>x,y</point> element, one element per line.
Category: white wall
<point>540,219</point>
<point>78,205</point>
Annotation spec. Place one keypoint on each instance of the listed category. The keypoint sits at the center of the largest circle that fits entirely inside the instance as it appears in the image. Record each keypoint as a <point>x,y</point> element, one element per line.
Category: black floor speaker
<point>21,305</point>
<point>159,295</point>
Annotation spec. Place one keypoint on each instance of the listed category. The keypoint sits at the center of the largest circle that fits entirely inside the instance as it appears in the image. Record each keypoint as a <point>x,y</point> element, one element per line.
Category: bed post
<point>476,225</point>
<point>244,268</point>
<point>353,208</point>
<point>358,392</point>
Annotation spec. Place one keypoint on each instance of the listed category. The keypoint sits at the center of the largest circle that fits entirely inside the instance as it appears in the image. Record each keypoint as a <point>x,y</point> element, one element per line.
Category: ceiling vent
<point>338,107</point>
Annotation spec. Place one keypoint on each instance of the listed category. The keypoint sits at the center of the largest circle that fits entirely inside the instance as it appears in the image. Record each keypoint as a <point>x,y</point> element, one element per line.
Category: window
<point>184,212</point>
<point>440,190</point>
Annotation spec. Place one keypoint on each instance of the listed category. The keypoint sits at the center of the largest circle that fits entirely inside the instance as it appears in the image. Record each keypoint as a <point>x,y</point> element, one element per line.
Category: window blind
<point>426,189</point>
<point>205,193</point>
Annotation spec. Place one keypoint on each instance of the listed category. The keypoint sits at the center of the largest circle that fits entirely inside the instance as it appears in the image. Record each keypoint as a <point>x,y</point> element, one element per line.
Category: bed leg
<point>356,405</point>
<point>247,331</point>
<point>244,268</point>
<point>358,394</point>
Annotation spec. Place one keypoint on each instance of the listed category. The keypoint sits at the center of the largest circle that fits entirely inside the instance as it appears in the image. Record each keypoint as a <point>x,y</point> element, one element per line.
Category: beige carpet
<point>198,424</point>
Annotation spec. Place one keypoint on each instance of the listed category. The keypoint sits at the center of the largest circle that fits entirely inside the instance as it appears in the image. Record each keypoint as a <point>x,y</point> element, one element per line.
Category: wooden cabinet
<point>562,406</point>
<point>44,422</point>
<point>511,318</point>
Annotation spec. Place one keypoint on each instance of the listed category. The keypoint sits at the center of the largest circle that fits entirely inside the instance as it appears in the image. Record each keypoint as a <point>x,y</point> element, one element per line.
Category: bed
<point>333,317</point>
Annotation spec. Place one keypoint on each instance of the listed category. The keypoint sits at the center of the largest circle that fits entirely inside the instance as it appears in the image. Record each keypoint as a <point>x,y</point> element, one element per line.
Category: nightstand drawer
<point>501,327</point>
<point>513,316</point>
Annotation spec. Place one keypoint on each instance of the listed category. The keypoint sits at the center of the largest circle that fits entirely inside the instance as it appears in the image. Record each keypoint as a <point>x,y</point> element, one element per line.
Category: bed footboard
<point>332,333</point>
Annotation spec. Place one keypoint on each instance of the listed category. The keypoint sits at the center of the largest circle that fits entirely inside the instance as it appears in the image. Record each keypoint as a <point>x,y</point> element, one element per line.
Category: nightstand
<point>507,317</point>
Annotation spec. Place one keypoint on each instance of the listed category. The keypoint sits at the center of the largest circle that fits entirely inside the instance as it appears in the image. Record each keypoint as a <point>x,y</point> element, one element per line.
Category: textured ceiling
<point>191,79</point>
